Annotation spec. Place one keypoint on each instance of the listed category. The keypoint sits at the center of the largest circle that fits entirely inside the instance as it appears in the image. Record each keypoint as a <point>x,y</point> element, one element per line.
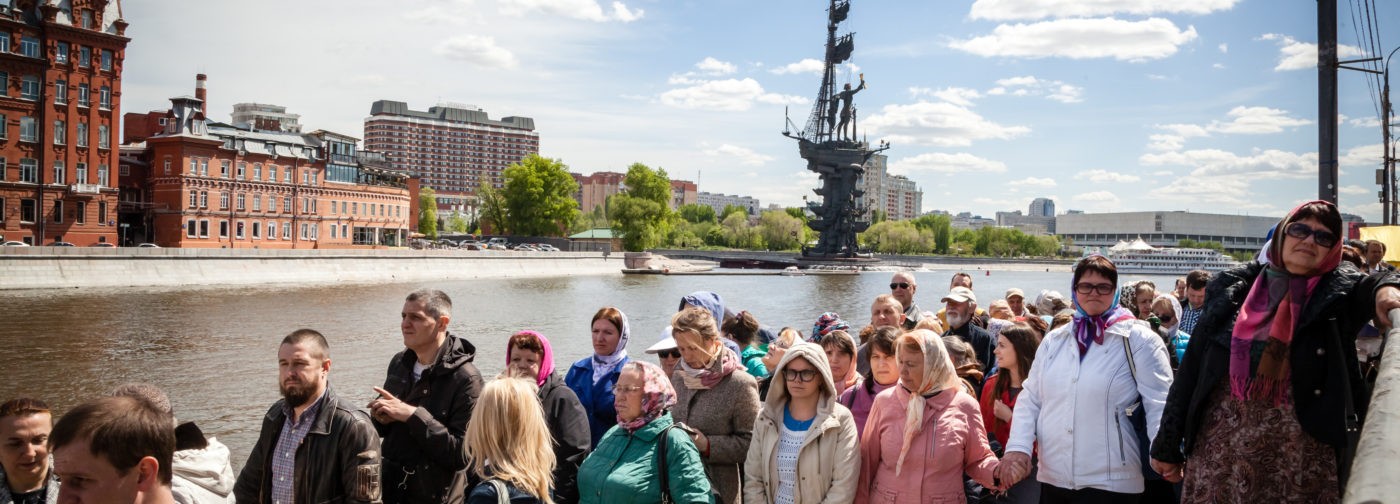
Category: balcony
<point>84,189</point>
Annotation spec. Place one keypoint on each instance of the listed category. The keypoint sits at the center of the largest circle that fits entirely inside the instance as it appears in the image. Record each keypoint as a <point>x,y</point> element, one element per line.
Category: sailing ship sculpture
<point>829,144</point>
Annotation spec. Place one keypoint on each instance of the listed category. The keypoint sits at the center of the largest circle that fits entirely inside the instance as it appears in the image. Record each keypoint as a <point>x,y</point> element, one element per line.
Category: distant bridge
<point>779,260</point>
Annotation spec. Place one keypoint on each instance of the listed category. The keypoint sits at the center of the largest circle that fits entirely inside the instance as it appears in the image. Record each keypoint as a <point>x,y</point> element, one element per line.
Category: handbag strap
<point>661,472</point>
<point>502,492</point>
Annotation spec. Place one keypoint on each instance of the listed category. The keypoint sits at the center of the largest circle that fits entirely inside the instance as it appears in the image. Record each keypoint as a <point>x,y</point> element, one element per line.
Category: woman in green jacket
<point>623,468</point>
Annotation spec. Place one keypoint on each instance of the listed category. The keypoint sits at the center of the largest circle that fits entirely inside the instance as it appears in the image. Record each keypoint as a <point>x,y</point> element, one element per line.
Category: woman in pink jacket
<point>924,434</point>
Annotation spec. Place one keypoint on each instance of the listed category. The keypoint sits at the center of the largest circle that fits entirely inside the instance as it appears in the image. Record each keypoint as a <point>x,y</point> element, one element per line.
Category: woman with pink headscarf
<point>529,355</point>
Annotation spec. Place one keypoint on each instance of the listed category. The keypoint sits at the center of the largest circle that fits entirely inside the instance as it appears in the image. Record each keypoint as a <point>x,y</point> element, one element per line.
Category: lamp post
<point>1387,172</point>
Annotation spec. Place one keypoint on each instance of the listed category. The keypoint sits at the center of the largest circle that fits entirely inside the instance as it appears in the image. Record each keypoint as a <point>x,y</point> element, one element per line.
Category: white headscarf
<point>605,364</point>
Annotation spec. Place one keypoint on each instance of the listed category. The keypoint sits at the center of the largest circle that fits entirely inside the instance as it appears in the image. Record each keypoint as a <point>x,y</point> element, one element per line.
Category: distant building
<point>683,192</point>
<point>1164,229</point>
<point>1042,207</point>
<point>1029,224</point>
<point>260,116</point>
<point>61,106</point>
<point>594,190</point>
<point>719,201</point>
<point>895,195</point>
<point>966,220</point>
<point>453,148</point>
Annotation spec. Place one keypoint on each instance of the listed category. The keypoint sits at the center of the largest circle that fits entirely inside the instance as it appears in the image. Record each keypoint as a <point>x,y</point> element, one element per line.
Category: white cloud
<point>713,66</point>
<point>1256,120</point>
<point>1185,130</point>
<point>1148,39</point>
<point>743,155</point>
<point>1356,190</point>
<point>1034,182</point>
<point>477,50</point>
<point>1002,10</point>
<point>1362,155</point>
<point>1366,122</point>
<point>939,162</point>
<point>942,124</point>
<point>806,66</point>
<point>588,10</point>
<point>1224,48</point>
<point>1157,77</point>
<point>1218,66</point>
<point>1028,85</point>
<point>1295,55</point>
<point>1106,176</point>
<point>1259,164</point>
<point>724,95</point>
<point>1099,199</point>
<point>955,95</point>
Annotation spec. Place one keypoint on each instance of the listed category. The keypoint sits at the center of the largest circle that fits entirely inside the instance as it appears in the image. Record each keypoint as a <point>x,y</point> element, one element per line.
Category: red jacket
<point>1001,431</point>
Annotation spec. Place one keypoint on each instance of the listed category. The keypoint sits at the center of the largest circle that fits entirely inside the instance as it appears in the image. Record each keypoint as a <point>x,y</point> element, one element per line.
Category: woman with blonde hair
<point>924,434</point>
<point>717,404</point>
<point>508,444</point>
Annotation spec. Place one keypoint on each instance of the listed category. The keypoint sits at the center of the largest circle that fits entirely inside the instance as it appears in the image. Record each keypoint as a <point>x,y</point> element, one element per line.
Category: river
<point>214,350</point>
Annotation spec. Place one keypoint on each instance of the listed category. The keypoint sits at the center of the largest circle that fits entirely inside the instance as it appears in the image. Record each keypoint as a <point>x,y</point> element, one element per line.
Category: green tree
<point>731,210</point>
<point>641,213</point>
<point>457,223</point>
<point>427,212</point>
<point>780,230</point>
<point>697,213</point>
<point>942,228</point>
<point>539,196</point>
<point>897,237</point>
<point>494,214</point>
<point>877,216</point>
<point>1212,245</point>
<point>739,234</point>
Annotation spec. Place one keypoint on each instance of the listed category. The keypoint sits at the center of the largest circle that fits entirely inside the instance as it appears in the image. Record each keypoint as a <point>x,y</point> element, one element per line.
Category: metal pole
<point>1386,202</point>
<point>1327,100</point>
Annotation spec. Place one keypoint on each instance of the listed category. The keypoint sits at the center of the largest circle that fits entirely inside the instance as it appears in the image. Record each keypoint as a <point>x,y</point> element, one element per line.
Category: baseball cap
<point>1014,292</point>
<point>961,295</point>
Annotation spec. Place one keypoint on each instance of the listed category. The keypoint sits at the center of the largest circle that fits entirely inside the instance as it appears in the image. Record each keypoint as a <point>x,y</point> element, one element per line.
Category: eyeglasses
<point>899,285</point>
<point>804,375</point>
<point>669,354</point>
<point>1165,318</point>
<point>628,389</point>
<point>1322,237</point>
<point>1085,288</point>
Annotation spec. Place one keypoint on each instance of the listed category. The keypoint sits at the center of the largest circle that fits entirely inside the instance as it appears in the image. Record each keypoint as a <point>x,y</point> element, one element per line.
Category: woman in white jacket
<point>802,435</point>
<point>1076,400</point>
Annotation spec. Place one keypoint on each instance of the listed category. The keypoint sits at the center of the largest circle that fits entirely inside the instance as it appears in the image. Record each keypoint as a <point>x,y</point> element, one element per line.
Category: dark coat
<point>981,341</point>
<point>485,493</point>
<point>568,426</point>
<point>1343,301</point>
<point>423,458</point>
<point>338,461</point>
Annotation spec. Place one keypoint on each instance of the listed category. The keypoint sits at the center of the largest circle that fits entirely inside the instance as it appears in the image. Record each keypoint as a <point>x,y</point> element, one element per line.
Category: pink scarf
<point>546,357</point>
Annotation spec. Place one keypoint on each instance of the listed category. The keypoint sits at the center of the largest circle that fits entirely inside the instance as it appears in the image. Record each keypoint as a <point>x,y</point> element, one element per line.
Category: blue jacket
<point>597,399</point>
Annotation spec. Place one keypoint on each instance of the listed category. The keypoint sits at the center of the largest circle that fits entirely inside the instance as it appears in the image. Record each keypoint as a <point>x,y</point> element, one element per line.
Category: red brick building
<point>213,185</point>
<point>61,62</point>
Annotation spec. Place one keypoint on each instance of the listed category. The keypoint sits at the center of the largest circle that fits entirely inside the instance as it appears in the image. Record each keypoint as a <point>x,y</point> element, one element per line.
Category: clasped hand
<point>388,409</point>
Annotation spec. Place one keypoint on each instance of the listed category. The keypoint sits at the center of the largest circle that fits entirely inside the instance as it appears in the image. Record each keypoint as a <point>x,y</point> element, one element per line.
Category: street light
<point>1388,203</point>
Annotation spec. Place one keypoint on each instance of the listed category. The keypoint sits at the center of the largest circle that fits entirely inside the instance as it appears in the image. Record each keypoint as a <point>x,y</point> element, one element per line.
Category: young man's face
<point>91,479</point>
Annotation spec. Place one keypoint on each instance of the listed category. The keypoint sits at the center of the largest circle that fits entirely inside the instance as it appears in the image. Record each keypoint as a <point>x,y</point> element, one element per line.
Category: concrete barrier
<point>1373,469</point>
<point>59,267</point>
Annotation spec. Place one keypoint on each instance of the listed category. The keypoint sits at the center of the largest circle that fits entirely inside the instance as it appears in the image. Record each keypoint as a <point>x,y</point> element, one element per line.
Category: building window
<point>203,199</point>
<point>287,204</point>
<point>167,161</point>
<point>271,173</point>
<point>102,213</point>
<point>29,46</point>
<point>58,212</point>
<point>305,231</point>
<point>203,228</point>
<point>242,170</point>
<point>126,170</point>
<point>272,230</point>
<point>60,92</point>
<point>28,210</point>
<point>60,133</point>
<point>84,95</point>
<point>355,208</point>
<point>342,207</point>
<point>82,139</point>
<point>257,202</point>
<point>28,129</point>
<point>223,169</point>
<point>29,87</point>
<point>332,207</point>
<point>85,19</point>
<point>61,52</point>
<point>257,171</point>
<point>82,212</point>
<point>58,173</point>
<point>5,41</point>
<point>242,198</point>
<point>191,228</point>
<point>82,173</point>
<point>223,229</point>
<point>288,178</point>
<point>333,226</point>
<point>223,200</point>
<point>104,139</point>
<point>257,230</point>
<point>238,230</point>
<point>286,230</point>
<point>344,228</point>
<point>271,204</point>
<point>84,56</point>
<point>104,98</point>
<point>194,167</point>
<point>102,175</point>
<point>29,170</point>
<point>194,200</point>
<point>107,59</point>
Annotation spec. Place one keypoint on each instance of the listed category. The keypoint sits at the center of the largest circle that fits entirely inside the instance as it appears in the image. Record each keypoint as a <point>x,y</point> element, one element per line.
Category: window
<point>342,207</point>
<point>238,230</point>
<point>223,169</point>
<point>203,229</point>
<point>305,231</point>
<point>242,198</point>
<point>58,212</point>
<point>288,178</point>
<point>60,133</point>
<point>223,229</point>
<point>104,97</point>
<point>85,19</point>
<point>125,170</point>
<point>272,230</point>
<point>204,167</point>
<point>257,171</point>
<point>29,46</point>
<point>287,204</point>
<point>355,208</point>
<point>60,92</point>
<point>82,173</point>
<point>203,199</point>
<point>271,173</point>
<point>242,170</point>
<point>60,52</point>
<point>271,204</point>
<point>102,213</point>
<point>194,203</point>
<point>29,87</point>
<point>28,210</point>
<point>332,206</point>
<point>58,173</point>
<point>257,230</point>
<point>223,201</point>
<point>257,202</point>
<point>84,95</point>
<point>194,166</point>
<point>344,231</point>
<point>104,140</point>
<point>286,230</point>
<point>333,229</point>
<point>167,161</point>
<point>84,56</point>
<point>102,175</point>
<point>29,170</point>
<point>82,139</point>
<point>191,228</point>
<point>107,59</point>
<point>5,41</point>
<point>28,129</point>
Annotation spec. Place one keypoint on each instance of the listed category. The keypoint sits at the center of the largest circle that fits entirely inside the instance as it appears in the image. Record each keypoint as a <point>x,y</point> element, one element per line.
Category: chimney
<point>199,92</point>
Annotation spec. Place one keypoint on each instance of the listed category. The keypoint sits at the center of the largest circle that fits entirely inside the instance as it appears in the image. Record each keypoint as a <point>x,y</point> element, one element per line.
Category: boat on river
<point>1138,257</point>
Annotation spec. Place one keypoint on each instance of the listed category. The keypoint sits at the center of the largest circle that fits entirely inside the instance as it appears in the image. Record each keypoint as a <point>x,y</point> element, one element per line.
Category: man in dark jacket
<point>960,309</point>
<point>314,446</point>
<point>424,406</point>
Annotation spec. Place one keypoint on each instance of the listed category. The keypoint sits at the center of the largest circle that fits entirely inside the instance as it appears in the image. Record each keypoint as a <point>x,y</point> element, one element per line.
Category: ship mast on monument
<point>832,149</point>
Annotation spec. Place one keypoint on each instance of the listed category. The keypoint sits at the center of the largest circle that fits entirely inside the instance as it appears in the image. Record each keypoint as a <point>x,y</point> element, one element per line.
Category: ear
<point>148,474</point>
<point>443,321</point>
<point>326,365</point>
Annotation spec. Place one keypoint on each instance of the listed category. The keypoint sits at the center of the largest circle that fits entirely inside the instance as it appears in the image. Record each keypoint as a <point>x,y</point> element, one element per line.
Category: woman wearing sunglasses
<point>1271,372</point>
<point>802,435</point>
<point>1076,402</point>
<point>1167,312</point>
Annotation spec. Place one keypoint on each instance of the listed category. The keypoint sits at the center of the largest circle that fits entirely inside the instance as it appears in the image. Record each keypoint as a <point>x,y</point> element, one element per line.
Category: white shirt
<point>789,446</point>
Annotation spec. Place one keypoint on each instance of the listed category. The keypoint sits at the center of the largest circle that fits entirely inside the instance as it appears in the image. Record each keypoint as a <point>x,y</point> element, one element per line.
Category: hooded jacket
<point>202,476</point>
<point>828,462</point>
<point>50,484</point>
<point>423,457</point>
<point>568,427</point>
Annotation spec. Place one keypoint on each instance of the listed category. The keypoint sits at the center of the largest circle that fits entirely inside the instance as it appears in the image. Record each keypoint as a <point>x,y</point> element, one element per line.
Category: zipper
<point>1118,422</point>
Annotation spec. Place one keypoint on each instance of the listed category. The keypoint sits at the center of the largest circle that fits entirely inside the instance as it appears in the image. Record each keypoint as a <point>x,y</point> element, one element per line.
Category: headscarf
<point>1089,329</point>
<point>852,375</point>
<point>721,366</point>
<point>604,364</point>
<point>827,322</point>
<point>657,396</point>
<point>1176,312</point>
<point>939,375</point>
<point>707,300</point>
<point>546,356</point>
<point>1264,329</point>
<point>995,326</point>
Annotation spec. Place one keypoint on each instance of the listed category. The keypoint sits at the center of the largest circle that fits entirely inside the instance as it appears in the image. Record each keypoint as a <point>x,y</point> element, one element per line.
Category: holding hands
<point>1013,467</point>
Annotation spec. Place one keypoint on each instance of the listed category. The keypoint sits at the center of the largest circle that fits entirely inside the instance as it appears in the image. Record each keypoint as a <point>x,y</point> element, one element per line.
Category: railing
<point>1373,474</point>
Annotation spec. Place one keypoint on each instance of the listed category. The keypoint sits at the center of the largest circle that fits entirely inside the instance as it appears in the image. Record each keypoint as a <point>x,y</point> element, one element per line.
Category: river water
<point>214,350</point>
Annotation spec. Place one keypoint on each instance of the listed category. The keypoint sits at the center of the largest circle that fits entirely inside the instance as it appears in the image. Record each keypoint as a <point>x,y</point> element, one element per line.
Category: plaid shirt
<point>284,461</point>
<point>1189,316</point>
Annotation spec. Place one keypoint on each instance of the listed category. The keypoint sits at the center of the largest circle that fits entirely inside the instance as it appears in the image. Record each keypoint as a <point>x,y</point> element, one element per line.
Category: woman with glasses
<point>923,435</point>
<point>717,403</point>
<point>883,374</point>
<point>1271,372</point>
<point>625,468</point>
<point>804,447</point>
<point>667,355</point>
<point>1166,310</point>
<point>1075,406</point>
<point>592,378</point>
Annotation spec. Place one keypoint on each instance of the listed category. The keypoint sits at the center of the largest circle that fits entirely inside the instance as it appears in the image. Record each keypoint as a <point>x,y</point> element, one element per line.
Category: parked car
<point>61,244</point>
<point>13,243</point>
<point>103,245</point>
<point>496,246</point>
<point>148,245</point>
<point>547,247</point>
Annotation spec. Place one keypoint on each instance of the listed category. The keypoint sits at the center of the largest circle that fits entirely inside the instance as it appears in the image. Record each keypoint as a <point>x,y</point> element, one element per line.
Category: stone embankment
<point>59,268</point>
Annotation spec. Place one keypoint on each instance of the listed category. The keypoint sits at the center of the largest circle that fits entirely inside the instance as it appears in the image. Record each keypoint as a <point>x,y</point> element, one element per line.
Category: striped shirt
<point>284,459</point>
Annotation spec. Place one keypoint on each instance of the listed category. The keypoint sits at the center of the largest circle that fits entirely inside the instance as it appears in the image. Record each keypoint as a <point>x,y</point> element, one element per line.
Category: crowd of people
<point>1239,386</point>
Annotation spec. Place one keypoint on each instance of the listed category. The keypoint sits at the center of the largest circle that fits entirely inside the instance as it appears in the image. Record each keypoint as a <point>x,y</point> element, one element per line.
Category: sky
<point>1100,105</point>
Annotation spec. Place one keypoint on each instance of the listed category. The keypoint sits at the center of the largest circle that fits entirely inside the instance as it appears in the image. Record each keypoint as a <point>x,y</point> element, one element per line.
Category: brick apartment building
<point>61,63</point>
<point>452,148</point>
<point>594,190</point>
<point>202,184</point>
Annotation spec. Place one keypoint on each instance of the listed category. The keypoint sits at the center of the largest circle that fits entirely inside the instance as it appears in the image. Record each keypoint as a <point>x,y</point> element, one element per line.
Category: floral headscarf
<point>546,356</point>
<point>827,322</point>
<point>939,375</point>
<point>657,396</point>
<point>604,364</point>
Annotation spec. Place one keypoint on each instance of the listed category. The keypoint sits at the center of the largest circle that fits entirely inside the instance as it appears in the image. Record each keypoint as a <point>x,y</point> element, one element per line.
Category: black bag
<point>664,475</point>
<point>1137,417</point>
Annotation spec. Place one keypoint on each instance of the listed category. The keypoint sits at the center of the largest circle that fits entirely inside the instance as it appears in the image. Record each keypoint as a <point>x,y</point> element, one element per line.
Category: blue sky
<point>1102,105</point>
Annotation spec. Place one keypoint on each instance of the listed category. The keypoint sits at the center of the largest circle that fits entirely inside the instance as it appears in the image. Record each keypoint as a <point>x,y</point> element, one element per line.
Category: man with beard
<point>961,305</point>
<point>964,280</point>
<point>314,446</point>
<point>423,408</point>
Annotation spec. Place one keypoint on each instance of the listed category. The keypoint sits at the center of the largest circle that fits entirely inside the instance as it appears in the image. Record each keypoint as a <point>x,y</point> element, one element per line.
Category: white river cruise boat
<point>1137,257</point>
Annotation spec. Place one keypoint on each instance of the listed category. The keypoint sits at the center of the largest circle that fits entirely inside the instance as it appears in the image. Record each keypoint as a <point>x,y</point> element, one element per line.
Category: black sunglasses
<point>1322,237</point>
<point>804,375</point>
<point>899,285</point>
<point>1165,318</point>
<point>669,354</point>
<point>1084,288</point>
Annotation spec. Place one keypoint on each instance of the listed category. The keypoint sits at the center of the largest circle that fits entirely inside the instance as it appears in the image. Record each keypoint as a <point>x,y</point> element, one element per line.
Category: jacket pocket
<point>367,483</point>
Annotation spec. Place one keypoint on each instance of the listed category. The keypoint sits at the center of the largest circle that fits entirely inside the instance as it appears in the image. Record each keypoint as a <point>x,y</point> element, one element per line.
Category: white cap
<point>667,342</point>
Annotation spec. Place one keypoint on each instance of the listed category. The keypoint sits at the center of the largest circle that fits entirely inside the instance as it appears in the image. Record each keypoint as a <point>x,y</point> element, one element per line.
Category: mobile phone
<point>688,429</point>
